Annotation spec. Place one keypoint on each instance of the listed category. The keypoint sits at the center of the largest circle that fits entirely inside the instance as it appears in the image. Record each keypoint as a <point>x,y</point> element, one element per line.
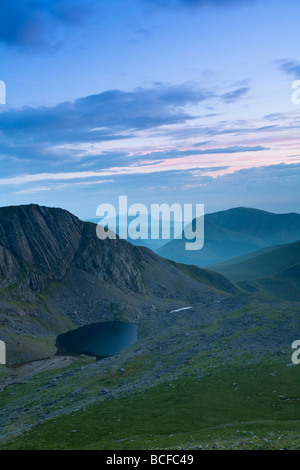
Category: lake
<point>97,339</point>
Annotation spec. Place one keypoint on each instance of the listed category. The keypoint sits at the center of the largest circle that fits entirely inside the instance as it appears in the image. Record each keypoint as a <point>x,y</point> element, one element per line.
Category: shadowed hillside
<point>276,271</point>
<point>235,232</point>
<point>55,273</point>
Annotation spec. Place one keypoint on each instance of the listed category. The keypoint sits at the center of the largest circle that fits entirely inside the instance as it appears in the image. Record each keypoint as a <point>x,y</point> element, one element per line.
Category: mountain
<point>55,274</point>
<point>235,232</point>
<point>207,353</point>
<point>276,271</point>
<point>246,266</point>
<point>151,243</point>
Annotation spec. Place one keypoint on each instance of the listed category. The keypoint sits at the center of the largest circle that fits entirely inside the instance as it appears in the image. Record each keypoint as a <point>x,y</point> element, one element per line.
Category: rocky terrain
<point>228,365</point>
<point>56,274</point>
<point>215,375</point>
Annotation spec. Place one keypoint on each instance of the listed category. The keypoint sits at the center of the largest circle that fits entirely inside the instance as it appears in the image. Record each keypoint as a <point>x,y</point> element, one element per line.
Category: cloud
<point>34,23</point>
<point>267,187</point>
<point>61,186</point>
<point>198,3</point>
<point>272,187</point>
<point>191,3</point>
<point>234,95</point>
<point>137,168</point>
<point>290,67</point>
<point>211,151</point>
<point>109,115</point>
<point>30,24</point>
<point>113,129</point>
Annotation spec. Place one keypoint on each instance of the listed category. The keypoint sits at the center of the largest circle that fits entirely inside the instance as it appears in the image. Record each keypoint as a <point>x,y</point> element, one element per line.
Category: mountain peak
<point>235,232</point>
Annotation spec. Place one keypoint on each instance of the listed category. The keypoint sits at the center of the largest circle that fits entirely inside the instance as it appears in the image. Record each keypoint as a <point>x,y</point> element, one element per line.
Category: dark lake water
<point>98,339</point>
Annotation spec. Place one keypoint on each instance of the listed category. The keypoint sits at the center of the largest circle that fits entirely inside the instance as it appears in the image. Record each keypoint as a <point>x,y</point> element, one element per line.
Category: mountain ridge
<point>55,274</point>
<point>235,232</point>
<point>275,271</point>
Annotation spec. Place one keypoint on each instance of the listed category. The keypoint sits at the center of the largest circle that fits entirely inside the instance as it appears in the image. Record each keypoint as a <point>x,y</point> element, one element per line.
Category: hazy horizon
<point>165,101</point>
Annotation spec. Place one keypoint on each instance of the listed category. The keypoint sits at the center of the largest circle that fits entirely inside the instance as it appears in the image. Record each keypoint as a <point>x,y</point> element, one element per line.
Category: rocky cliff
<point>55,274</point>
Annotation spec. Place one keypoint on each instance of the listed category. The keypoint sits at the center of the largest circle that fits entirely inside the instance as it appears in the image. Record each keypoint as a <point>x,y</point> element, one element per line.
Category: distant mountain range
<point>235,232</point>
<point>151,243</point>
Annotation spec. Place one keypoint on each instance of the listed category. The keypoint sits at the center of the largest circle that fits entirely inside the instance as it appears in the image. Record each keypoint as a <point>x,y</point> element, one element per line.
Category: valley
<point>211,367</point>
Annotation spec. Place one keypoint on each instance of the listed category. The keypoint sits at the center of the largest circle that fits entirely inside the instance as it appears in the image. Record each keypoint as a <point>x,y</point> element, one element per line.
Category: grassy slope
<point>238,407</point>
<point>284,285</point>
<point>262,265</point>
<point>207,277</point>
<point>276,272</point>
<point>228,394</point>
<point>240,259</point>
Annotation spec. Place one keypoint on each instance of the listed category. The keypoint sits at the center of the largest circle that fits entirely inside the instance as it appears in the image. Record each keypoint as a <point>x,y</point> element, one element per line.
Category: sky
<point>164,101</point>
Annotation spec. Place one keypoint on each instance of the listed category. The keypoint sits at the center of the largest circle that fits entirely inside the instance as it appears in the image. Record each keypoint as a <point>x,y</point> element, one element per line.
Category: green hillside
<point>276,272</point>
<point>267,263</point>
<point>284,285</point>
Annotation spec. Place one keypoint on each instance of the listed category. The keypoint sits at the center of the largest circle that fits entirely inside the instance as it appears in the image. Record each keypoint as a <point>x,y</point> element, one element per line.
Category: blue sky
<point>185,101</point>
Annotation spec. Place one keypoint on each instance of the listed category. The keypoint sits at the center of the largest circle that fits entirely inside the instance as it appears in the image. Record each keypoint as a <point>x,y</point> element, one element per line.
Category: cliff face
<point>39,245</point>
